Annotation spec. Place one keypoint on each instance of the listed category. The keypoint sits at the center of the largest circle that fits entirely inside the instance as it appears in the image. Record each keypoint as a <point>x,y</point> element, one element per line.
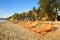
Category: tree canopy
<point>47,9</point>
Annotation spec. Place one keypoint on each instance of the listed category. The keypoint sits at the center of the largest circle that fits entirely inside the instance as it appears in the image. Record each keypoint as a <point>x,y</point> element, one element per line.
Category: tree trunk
<point>56,11</point>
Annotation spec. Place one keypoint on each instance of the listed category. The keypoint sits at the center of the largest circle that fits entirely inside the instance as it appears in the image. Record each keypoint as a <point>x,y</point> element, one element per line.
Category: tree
<point>39,14</point>
<point>57,7</point>
<point>16,16</point>
<point>47,8</point>
<point>34,11</point>
<point>30,15</point>
<point>23,16</point>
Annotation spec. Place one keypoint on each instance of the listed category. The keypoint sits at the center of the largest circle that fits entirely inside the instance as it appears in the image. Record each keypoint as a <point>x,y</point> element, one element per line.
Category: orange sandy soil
<point>40,27</point>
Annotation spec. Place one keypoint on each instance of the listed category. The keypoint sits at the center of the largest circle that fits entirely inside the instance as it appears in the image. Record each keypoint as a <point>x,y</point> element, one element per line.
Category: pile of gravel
<point>10,31</point>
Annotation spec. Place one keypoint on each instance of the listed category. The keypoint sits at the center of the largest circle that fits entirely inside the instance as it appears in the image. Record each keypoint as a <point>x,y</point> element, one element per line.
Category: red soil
<point>44,26</point>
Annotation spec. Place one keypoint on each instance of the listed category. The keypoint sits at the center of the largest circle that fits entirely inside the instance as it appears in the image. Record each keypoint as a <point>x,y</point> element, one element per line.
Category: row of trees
<point>28,15</point>
<point>49,8</point>
<point>47,11</point>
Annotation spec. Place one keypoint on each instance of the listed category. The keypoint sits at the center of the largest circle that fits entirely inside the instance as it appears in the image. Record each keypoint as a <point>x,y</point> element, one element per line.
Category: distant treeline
<point>3,18</point>
<point>47,11</point>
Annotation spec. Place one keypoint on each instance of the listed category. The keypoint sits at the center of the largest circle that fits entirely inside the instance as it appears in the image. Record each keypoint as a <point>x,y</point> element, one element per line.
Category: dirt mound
<point>37,26</point>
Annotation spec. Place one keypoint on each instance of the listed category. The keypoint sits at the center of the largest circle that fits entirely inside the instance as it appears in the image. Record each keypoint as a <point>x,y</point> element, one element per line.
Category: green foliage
<point>16,16</point>
<point>46,9</point>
